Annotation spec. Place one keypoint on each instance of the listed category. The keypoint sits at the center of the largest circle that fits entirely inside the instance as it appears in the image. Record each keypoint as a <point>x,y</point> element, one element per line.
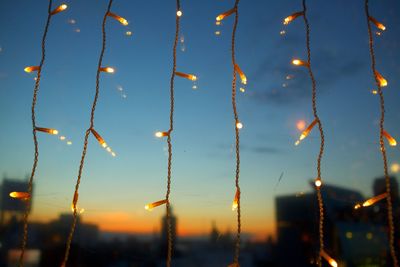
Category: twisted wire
<point>35,141</point>
<point>85,143</point>
<point>169,141</point>
<point>237,137</point>
<point>382,144</point>
<point>321,132</point>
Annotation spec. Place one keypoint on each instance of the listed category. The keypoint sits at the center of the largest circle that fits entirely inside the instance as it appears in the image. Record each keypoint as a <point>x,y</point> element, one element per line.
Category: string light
<point>20,195</point>
<point>329,259</point>
<point>161,134</point>
<point>186,76</point>
<point>107,69</point>
<point>235,200</point>
<point>379,25</point>
<point>59,9</point>
<point>31,69</point>
<point>90,130</point>
<point>119,18</point>
<point>151,206</point>
<point>226,14</point>
<point>99,138</point>
<point>243,77</point>
<point>298,62</point>
<point>179,13</point>
<point>292,17</point>
<point>238,125</point>
<point>318,181</point>
<point>371,201</point>
<point>34,128</point>
<point>389,138</point>
<point>380,82</point>
<point>47,130</point>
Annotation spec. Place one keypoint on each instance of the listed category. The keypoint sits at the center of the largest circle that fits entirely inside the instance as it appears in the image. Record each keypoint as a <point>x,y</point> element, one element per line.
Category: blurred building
<point>164,233</point>
<point>355,238</point>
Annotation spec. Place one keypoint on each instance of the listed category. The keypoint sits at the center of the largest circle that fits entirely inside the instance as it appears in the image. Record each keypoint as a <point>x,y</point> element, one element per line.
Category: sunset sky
<point>134,104</point>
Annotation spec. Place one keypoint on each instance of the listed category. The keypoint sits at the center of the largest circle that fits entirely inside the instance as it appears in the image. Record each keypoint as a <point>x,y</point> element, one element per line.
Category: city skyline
<point>115,190</point>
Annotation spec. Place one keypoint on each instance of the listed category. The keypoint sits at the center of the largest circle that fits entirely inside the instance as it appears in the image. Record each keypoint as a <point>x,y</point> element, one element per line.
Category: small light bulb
<point>239,125</point>
<point>298,62</point>
<point>47,130</point>
<point>99,138</point>
<point>161,134</point>
<point>377,23</point>
<point>226,14</point>
<point>307,131</point>
<point>151,206</point>
<point>187,76</point>
<point>292,17</point>
<point>59,9</point>
<point>118,18</point>
<point>389,138</point>
<point>235,202</point>
<point>382,81</point>
<point>243,77</point>
<point>20,195</point>
<point>328,258</point>
<point>179,13</point>
<point>318,182</point>
<point>31,69</point>
<point>107,69</point>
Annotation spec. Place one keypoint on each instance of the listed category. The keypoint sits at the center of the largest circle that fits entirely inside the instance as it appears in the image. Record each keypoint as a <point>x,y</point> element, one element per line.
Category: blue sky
<point>203,163</point>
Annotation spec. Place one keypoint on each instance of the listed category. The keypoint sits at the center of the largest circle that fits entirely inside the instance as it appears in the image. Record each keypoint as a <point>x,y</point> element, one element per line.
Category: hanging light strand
<point>169,140</point>
<point>237,137</point>
<point>87,134</point>
<point>381,139</point>
<point>34,130</point>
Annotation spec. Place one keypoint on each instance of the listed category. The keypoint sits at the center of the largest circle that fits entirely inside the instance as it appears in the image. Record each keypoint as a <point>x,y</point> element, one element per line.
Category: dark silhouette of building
<point>164,233</point>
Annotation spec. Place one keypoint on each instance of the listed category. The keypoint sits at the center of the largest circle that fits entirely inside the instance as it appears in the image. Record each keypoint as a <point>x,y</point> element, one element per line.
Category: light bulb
<point>328,258</point>
<point>382,81</point>
<point>243,77</point>
<point>119,18</point>
<point>99,138</point>
<point>31,68</point>
<point>161,134</point>
<point>298,62</point>
<point>318,182</point>
<point>47,130</point>
<point>20,195</point>
<point>179,13</point>
<point>377,23</point>
<point>235,202</point>
<point>307,131</point>
<point>226,14</point>
<point>151,206</point>
<point>59,9</point>
<point>187,76</point>
<point>239,125</point>
<point>292,17</point>
<point>389,138</point>
<point>107,69</point>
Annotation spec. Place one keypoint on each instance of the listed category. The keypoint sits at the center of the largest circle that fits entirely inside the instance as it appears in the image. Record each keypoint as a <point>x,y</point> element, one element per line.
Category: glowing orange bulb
<point>31,68</point>
<point>187,76</point>
<point>59,9</point>
<point>119,18</point>
<point>292,17</point>
<point>389,138</point>
<point>99,138</point>
<point>377,23</point>
<point>179,13</point>
<point>47,130</point>
<point>301,125</point>
<point>151,206</point>
<point>318,182</point>
<point>226,14</point>
<point>243,77</point>
<point>298,62</point>
<point>20,195</point>
<point>239,125</point>
<point>306,132</point>
<point>382,81</point>
<point>107,69</point>
<point>235,202</point>
<point>328,258</point>
<point>161,134</point>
